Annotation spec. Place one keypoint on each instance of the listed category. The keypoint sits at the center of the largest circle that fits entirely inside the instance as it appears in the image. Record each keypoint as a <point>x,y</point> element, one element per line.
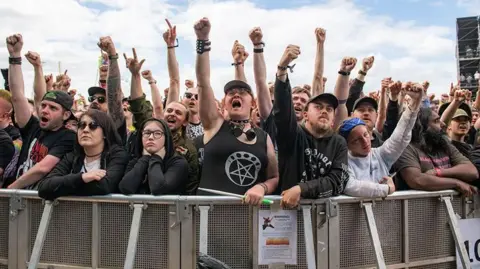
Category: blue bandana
<point>348,125</point>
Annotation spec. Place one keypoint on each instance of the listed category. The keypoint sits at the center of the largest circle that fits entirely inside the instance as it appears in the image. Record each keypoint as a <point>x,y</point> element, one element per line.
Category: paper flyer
<point>277,237</point>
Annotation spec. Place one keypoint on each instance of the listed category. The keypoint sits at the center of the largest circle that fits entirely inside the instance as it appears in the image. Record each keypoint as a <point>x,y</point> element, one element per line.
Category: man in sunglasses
<point>190,100</point>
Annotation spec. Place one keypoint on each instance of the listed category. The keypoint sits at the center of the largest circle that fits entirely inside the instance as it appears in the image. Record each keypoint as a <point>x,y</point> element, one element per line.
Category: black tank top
<point>232,166</point>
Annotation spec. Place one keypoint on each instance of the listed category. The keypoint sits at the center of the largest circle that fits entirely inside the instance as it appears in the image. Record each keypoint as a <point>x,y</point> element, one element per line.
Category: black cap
<point>327,97</point>
<point>462,106</point>
<point>368,100</point>
<point>237,84</point>
<point>60,97</point>
<point>94,90</point>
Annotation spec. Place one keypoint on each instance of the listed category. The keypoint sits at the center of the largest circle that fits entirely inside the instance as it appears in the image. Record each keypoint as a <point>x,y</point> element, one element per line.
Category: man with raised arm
<point>237,158</point>
<point>45,139</point>
<point>313,159</point>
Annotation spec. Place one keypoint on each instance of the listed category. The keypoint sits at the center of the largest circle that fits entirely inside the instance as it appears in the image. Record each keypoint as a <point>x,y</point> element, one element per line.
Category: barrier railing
<point>406,230</point>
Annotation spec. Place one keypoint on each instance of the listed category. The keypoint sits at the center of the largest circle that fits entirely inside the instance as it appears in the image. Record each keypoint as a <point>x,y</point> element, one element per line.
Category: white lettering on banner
<point>242,168</point>
<point>470,231</point>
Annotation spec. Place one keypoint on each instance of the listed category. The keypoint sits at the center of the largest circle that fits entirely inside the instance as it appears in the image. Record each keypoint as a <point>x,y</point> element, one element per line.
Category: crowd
<point>297,142</point>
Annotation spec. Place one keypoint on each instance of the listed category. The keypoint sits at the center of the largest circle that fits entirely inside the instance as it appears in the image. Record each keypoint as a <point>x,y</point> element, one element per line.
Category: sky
<point>411,40</point>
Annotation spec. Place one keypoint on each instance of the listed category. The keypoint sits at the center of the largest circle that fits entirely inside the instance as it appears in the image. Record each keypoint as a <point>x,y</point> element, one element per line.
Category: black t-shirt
<point>6,149</point>
<point>13,132</point>
<point>268,125</point>
<point>38,143</point>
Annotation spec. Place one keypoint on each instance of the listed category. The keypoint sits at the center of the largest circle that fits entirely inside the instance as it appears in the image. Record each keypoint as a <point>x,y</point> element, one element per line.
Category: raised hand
<point>34,58</point>
<point>425,85</point>
<point>147,74</point>
<point>238,52</point>
<point>189,83</point>
<point>459,95</point>
<point>202,29</point>
<point>256,35</point>
<point>321,35</point>
<point>170,36</point>
<point>14,45</point>
<point>386,83</point>
<point>348,63</point>
<point>106,45</point>
<point>133,64</point>
<point>367,63</point>
<point>416,93</point>
<point>49,81</point>
<point>103,70</point>
<point>291,53</point>
<point>394,90</point>
<point>468,95</point>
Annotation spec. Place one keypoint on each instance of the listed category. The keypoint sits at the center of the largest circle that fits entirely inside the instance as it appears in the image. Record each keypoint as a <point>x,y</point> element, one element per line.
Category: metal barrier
<point>406,230</point>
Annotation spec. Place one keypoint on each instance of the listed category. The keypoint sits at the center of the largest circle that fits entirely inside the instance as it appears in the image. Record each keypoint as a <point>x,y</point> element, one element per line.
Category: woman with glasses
<point>96,165</point>
<point>156,169</point>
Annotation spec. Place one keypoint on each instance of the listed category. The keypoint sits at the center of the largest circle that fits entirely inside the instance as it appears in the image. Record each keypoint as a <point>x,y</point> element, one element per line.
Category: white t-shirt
<point>93,165</point>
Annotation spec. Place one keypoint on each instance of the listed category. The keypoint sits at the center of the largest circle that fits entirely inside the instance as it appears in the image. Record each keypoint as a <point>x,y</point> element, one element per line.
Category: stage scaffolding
<point>468,52</point>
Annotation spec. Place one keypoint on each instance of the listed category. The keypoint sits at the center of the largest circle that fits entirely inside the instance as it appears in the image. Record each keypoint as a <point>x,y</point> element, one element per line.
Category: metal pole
<point>372,228</point>
<point>41,235</point>
<point>133,239</point>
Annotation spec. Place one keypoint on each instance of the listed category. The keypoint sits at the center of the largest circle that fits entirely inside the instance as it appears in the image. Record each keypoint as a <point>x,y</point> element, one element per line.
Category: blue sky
<point>410,39</point>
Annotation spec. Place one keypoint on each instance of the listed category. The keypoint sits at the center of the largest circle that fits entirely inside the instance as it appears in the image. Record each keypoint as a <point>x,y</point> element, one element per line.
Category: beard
<point>435,141</point>
<point>319,127</point>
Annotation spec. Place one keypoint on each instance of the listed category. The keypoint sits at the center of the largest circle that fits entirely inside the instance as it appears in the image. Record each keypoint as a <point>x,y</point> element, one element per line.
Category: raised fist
<point>238,53</point>
<point>14,45</point>
<point>256,35</point>
<point>34,58</point>
<point>189,83</point>
<point>468,95</point>
<point>106,45</point>
<point>147,74</point>
<point>202,29</point>
<point>386,83</point>
<point>348,63</point>
<point>320,34</point>
<point>61,77</point>
<point>133,64</point>
<point>307,87</point>
<point>367,63</point>
<point>103,70</point>
<point>170,36</point>
<point>394,90</point>
<point>291,53</point>
<point>416,93</point>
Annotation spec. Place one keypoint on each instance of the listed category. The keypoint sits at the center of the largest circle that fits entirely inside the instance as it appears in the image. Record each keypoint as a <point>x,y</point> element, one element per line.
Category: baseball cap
<point>237,84</point>
<point>368,100</point>
<point>94,90</point>
<point>461,113</point>
<point>462,106</point>
<point>327,97</point>
<point>60,97</point>
<point>348,125</point>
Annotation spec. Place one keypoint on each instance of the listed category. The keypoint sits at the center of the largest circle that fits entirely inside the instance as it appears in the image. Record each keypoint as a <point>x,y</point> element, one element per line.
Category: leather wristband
<point>103,81</point>
<point>341,102</point>
<point>265,188</point>
<point>258,50</point>
<point>113,57</point>
<point>237,64</point>
<point>15,60</point>
<point>363,73</point>
<point>344,73</point>
<point>152,82</point>
<point>201,46</point>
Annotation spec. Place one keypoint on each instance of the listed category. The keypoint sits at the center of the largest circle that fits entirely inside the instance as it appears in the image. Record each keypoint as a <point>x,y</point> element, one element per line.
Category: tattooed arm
<point>114,89</point>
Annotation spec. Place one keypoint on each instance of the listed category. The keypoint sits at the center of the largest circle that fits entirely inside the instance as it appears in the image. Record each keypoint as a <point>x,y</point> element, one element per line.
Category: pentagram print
<point>242,168</point>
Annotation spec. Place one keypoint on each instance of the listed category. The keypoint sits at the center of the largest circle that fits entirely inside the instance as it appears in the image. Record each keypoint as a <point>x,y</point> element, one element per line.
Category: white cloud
<point>471,6</point>
<point>67,31</point>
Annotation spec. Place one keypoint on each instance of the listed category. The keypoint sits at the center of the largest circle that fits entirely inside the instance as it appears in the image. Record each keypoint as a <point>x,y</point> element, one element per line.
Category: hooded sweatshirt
<point>367,172</point>
<point>155,175</point>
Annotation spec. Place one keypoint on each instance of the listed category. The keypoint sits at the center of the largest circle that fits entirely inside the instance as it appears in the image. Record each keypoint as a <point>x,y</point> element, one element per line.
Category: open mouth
<point>297,109</point>
<point>236,103</point>
<point>43,120</point>
<point>171,119</point>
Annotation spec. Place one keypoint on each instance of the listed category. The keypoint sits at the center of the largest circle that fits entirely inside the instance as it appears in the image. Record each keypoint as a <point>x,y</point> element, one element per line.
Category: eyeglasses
<point>100,99</point>
<point>240,91</point>
<point>189,95</point>
<point>156,134</point>
<point>92,125</point>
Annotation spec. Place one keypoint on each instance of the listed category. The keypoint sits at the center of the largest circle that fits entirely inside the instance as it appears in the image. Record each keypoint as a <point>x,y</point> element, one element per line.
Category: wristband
<point>265,188</point>
<point>283,68</point>
<point>152,82</point>
<point>258,50</point>
<point>363,73</point>
<point>258,44</point>
<point>344,73</point>
<point>113,57</point>
<point>237,64</point>
<point>201,44</point>
<point>15,60</point>
<point>103,81</point>
<point>438,172</point>
<point>341,102</point>
<point>174,46</point>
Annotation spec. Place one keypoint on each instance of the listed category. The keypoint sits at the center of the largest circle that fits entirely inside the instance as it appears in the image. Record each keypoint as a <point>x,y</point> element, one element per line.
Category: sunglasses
<point>100,99</point>
<point>189,95</point>
<point>156,134</point>
<point>92,125</point>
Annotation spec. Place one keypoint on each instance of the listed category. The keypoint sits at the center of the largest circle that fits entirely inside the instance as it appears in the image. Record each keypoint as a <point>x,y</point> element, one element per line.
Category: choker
<point>237,130</point>
<point>90,156</point>
<point>241,121</point>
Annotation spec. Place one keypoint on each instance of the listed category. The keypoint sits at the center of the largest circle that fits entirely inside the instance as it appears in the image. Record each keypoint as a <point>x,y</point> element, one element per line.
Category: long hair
<point>104,121</point>
<point>429,141</point>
